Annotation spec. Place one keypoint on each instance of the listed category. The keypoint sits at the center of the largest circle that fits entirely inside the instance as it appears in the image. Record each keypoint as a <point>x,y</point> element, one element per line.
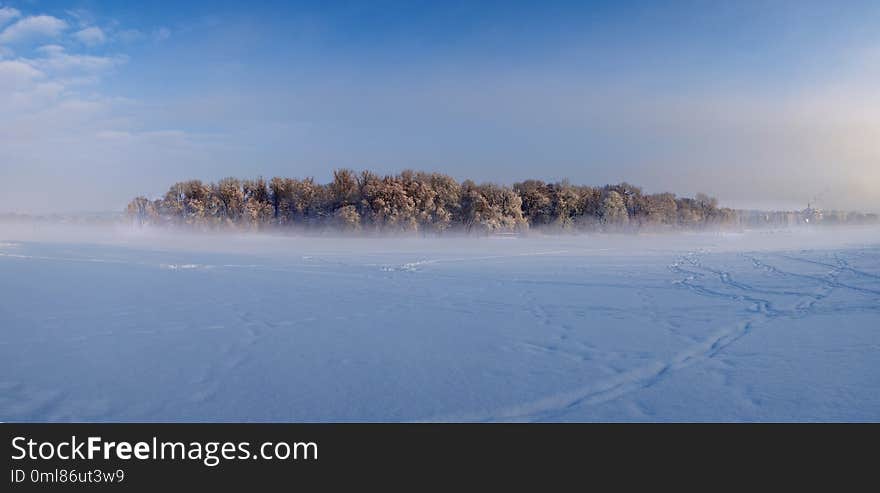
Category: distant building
<point>811,215</point>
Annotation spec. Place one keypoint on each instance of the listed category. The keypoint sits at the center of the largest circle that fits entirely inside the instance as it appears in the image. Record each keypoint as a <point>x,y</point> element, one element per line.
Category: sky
<point>763,104</point>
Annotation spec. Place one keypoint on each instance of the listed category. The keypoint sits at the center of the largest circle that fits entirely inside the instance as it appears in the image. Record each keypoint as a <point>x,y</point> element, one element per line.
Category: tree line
<point>419,201</point>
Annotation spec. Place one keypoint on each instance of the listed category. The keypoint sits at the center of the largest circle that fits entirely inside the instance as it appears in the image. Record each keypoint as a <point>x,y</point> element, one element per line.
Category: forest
<point>422,202</point>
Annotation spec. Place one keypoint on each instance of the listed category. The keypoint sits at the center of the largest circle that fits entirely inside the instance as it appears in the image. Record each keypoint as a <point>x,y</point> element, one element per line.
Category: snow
<point>138,325</point>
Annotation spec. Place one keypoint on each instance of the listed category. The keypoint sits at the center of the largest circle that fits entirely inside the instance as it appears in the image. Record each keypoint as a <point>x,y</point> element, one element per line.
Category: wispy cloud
<point>59,62</point>
<point>129,35</point>
<point>8,14</point>
<point>34,27</point>
<point>91,36</point>
<point>15,75</point>
<point>57,113</point>
<point>80,17</point>
<point>161,34</point>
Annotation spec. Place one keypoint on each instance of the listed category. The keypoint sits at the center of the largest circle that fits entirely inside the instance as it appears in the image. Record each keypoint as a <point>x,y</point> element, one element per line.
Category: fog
<point>286,244</point>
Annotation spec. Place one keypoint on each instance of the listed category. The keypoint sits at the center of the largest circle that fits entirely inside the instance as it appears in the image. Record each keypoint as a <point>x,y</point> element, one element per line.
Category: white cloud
<point>34,27</point>
<point>59,125</point>
<point>24,89</point>
<point>91,36</point>
<point>130,35</point>
<point>51,49</point>
<point>60,62</point>
<point>161,34</point>
<point>31,87</point>
<point>15,74</point>
<point>81,17</point>
<point>7,14</point>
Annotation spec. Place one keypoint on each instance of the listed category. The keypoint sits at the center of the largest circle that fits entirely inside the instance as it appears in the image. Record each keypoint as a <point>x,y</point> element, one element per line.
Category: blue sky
<point>761,103</point>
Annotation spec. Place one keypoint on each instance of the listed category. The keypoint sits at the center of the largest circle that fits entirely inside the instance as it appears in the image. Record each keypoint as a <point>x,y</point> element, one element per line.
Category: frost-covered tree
<point>613,209</point>
<point>257,202</point>
<point>446,197</point>
<point>564,204</point>
<point>348,218</point>
<point>231,198</point>
<point>344,189</point>
<point>142,211</point>
<point>537,206</point>
<point>661,208</point>
<point>418,201</point>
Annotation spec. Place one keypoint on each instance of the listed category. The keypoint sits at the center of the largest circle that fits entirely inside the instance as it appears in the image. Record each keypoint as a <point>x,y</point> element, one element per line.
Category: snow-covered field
<point>100,325</point>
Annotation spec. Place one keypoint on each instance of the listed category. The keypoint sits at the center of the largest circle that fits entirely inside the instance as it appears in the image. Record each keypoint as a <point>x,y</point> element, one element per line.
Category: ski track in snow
<point>691,266</point>
<point>614,387</point>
